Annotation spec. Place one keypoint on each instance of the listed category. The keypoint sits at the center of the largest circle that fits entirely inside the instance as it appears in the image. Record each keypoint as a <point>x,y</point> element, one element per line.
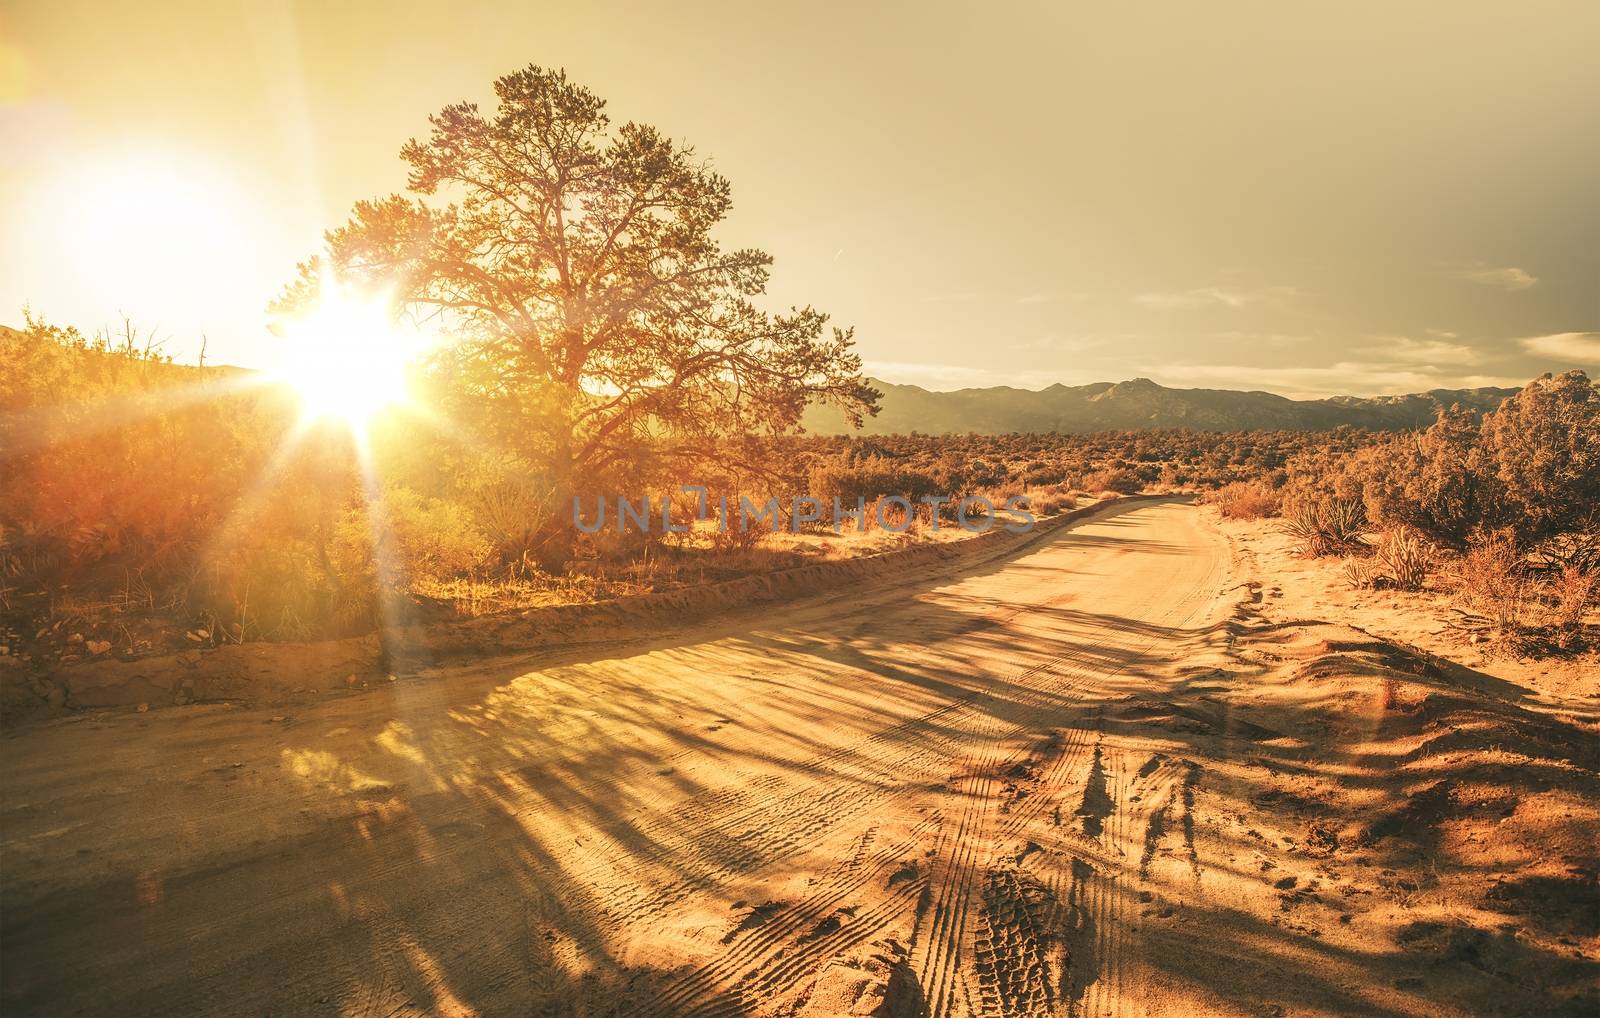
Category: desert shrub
<point>258,585</point>
<point>980,473</point>
<point>734,539</point>
<point>1427,481</point>
<point>511,513</point>
<point>1579,550</point>
<point>1322,474</point>
<point>1502,596</point>
<point>871,476</point>
<point>1054,504</point>
<point>427,536</point>
<point>1172,477</point>
<point>1532,465</point>
<point>1571,597</point>
<point>1248,500</point>
<point>1401,560</point>
<point>1042,474</point>
<point>123,469</point>
<point>1324,525</point>
<point>1119,480</point>
<point>1542,449</point>
<point>1494,587</point>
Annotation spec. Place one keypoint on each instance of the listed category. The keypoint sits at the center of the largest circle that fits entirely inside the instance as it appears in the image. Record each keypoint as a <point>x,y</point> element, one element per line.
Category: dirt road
<point>1017,789</point>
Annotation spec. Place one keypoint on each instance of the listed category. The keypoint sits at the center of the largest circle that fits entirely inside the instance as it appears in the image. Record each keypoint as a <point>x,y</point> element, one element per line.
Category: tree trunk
<point>555,546</point>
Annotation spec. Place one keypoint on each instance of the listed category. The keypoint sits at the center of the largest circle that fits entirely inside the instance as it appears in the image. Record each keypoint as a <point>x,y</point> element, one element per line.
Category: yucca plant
<point>1325,526</point>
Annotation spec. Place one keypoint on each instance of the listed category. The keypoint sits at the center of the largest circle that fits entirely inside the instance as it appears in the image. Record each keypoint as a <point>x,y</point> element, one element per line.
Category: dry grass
<point>1248,500</point>
<point>1573,595</point>
<point>1493,584</point>
<point>660,568</point>
<point>1501,596</point>
<point>1117,479</point>
<point>1053,503</point>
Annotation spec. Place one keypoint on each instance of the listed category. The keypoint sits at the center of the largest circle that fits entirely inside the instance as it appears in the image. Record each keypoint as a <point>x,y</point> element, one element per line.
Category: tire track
<point>750,947</point>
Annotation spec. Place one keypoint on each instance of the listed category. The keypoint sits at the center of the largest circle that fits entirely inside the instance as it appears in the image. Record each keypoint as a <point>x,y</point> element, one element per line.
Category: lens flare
<point>348,359</point>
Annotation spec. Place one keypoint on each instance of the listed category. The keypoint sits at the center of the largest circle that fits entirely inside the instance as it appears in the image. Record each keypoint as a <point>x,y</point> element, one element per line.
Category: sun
<point>348,359</point>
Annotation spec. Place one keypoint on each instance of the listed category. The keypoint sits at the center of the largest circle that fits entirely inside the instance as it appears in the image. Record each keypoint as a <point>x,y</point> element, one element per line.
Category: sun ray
<point>348,358</point>
<point>65,420</point>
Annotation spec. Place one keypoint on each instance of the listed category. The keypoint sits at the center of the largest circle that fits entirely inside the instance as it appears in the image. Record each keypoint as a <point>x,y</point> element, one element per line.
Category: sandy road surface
<point>925,798</point>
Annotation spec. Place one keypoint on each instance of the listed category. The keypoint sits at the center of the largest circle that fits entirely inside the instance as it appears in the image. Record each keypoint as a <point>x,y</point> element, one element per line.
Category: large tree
<point>573,263</point>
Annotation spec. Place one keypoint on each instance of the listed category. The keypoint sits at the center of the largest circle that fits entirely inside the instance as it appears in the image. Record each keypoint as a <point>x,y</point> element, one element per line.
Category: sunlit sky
<point>1310,199</point>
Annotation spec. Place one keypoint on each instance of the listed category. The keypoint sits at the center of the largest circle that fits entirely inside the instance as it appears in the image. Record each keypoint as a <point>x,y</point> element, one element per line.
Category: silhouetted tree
<point>596,313</point>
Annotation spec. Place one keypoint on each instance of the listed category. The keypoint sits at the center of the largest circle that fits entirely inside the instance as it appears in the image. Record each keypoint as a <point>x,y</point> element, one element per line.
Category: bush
<point>1122,481</point>
<point>1542,449</point>
<point>1402,560</point>
<point>870,477</point>
<point>1428,481</point>
<point>1532,465</point>
<point>508,510</point>
<point>1248,500</point>
<point>425,536</point>
<point>122,469</point>
<point>1492,582</point>
<point>1578,550</point>
<point>1040,475</point>
<point>1054,504</point>
<point>1501,595</point>
<point>1572,596</point>
<point>1359,572</point>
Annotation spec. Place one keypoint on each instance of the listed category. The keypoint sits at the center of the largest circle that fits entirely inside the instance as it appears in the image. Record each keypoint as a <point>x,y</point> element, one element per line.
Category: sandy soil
<point>1295,587</point>
<point>291,673</point>
<point>1098,776</point>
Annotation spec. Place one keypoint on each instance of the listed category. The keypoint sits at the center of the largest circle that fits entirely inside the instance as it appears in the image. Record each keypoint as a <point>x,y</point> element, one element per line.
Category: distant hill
<point>1137,404</point>
<point>1140,404</point>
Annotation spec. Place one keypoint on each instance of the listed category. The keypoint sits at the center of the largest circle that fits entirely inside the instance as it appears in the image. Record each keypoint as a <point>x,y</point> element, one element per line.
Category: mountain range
<point>1137,404</point>
<point>1140,404</point>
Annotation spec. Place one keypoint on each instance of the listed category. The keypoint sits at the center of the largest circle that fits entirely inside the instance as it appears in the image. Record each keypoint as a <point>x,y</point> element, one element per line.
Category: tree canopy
<point>593,311</point>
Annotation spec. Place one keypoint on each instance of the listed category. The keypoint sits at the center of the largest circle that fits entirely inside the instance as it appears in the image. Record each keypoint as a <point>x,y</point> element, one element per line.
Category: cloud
<point>1581,347</point>
<point>1355,378</point>
<point>1405,350</point>
<point>944,377</point>
<point>1363,377</point>
<point>1508,278</point>
<point>1214,296</point>
<point>1273,339</point>
<point>1052,342</point>
<point>969,297</point>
